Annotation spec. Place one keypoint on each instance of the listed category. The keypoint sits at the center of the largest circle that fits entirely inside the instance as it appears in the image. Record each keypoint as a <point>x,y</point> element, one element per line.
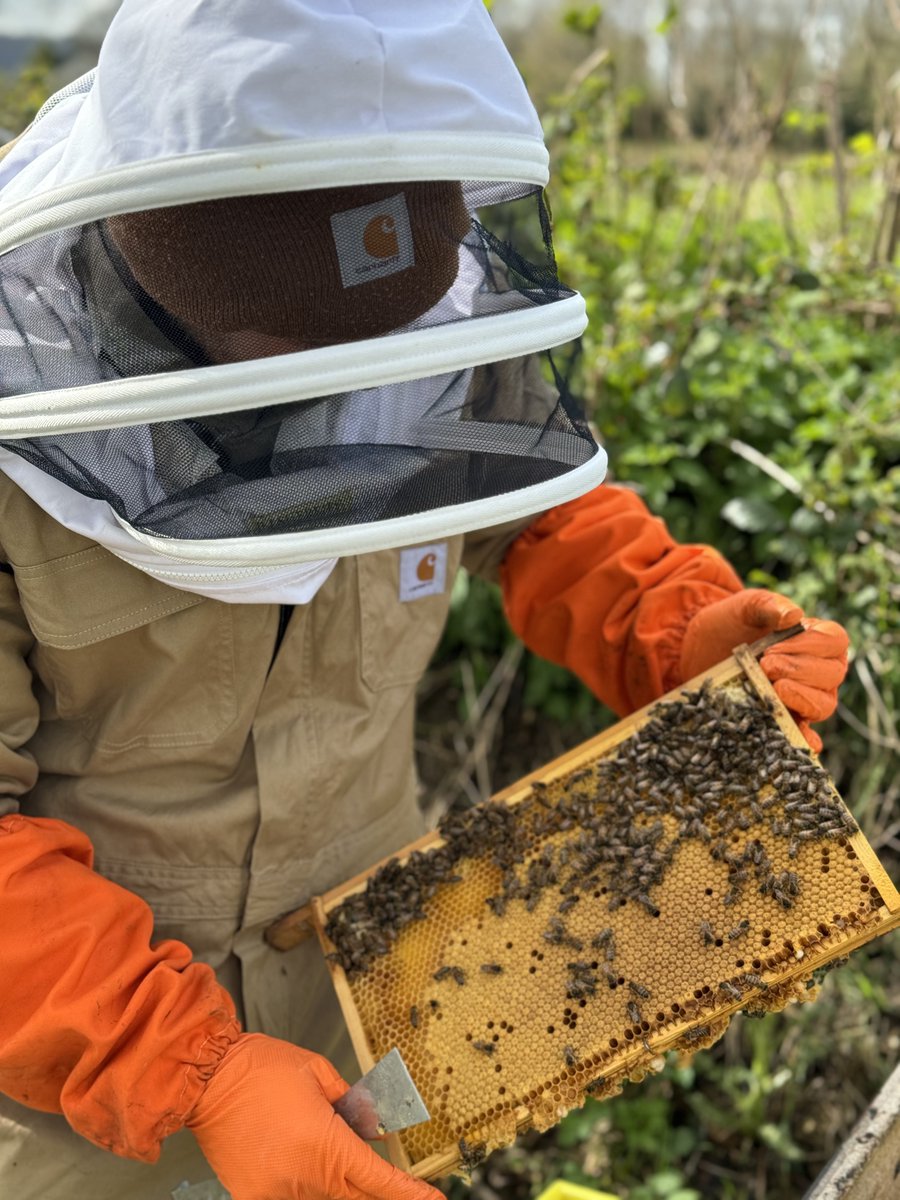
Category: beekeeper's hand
<point>805,670</point>
<point>599,585</point>
<point>266,1124</point>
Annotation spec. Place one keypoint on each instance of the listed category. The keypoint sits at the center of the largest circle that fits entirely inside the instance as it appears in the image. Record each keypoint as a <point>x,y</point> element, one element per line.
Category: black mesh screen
<point>73,312</point>
<point>339,460</point>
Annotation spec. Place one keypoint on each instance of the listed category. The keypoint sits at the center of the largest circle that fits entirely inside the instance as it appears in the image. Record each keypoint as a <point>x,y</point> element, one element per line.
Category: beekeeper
<point>274,363</point>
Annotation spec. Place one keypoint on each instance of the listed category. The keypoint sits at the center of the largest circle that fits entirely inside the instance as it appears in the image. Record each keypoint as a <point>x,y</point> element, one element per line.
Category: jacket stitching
<point>47,570</point>
<point>161,608</point>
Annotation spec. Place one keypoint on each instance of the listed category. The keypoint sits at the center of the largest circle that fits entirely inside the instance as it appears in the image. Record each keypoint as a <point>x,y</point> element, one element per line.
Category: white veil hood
<point>195,99</point>
<point>224,473</point>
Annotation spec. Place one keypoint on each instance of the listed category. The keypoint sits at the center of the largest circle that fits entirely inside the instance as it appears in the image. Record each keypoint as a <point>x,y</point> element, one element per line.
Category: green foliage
<point>477,628</point>
<point>23,94</point>
<point>804,121</point>
<point>741,365</point>
<point>749,395</point>
<point>745,383</point>
<point>744,376</point>
<point>671,16</point>
<point>583,20</point>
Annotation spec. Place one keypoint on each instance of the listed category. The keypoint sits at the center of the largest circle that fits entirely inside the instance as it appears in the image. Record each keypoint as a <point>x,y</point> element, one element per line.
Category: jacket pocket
<point>132,661</point>
<point>398,637</point>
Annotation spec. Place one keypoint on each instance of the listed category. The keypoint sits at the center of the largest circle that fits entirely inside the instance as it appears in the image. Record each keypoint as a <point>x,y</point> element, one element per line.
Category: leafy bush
<point>22,94</point>
<point>741,367</point>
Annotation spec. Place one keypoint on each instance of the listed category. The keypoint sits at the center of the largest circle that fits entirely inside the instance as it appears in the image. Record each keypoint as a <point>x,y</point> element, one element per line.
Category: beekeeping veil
<point>251,269</point>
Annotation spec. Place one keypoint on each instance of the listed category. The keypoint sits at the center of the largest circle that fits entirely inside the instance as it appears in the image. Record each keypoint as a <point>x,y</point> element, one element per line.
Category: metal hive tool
<point>693,861</point>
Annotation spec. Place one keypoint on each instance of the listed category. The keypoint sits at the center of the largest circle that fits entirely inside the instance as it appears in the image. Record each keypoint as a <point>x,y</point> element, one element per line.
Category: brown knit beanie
<point>330,265</point>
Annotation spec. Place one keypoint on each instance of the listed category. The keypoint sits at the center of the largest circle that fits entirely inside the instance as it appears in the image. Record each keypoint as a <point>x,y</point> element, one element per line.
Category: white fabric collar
<point>96,520</point>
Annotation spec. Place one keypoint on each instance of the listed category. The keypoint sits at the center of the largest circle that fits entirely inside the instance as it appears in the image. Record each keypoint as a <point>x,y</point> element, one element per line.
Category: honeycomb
<point>554,942</point>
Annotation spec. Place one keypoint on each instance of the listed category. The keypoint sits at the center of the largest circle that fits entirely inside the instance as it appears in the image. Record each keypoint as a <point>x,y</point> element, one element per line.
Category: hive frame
<point>313,917</point>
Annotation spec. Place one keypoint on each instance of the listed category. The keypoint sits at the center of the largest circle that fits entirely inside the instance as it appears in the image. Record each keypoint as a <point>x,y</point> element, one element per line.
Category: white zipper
<point>286,166</point>
<point>308,374</point>
<point>278,549</point>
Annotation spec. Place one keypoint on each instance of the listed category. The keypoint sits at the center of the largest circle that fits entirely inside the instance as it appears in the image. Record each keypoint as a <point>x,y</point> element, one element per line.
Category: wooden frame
<point>313,917</point>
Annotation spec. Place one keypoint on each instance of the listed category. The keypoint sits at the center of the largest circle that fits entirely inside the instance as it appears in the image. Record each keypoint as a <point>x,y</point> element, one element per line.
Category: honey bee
<point>579,989</point>
<point>756,981</point>
<point>648,904</point>
<point>538,790</point>
<point>471,1156</point>
<point>555,933</point>
<point>698,1032</point>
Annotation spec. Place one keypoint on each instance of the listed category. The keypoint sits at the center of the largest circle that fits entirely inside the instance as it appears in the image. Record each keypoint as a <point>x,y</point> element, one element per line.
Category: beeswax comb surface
<point>554,942</point>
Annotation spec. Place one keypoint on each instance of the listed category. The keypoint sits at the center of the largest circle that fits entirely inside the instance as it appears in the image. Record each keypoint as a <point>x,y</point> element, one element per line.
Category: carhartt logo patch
<point>423,571</point>
<point>373,241</point>
<point>380,237</point>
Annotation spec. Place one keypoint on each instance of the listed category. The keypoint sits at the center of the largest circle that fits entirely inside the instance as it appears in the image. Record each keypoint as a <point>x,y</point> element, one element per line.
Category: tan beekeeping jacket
<point>221,782</point>
<point>221,785</point>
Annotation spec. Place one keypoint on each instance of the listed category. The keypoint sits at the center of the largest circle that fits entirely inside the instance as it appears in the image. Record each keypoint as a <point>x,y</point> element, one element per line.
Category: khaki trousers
<point>42,1159</point>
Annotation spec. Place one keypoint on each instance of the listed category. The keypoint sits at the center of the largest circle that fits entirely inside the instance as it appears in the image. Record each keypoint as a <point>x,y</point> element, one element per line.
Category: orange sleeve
<point>118,1035</point>
<point>599,585</point>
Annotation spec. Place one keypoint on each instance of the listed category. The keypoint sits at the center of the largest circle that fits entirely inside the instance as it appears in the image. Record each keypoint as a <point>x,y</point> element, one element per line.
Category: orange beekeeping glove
<point>95,1023</point>
<point>805,670</point>
<point>266,1125</point>
<point>599,585</point>
<point>130,1041</point>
